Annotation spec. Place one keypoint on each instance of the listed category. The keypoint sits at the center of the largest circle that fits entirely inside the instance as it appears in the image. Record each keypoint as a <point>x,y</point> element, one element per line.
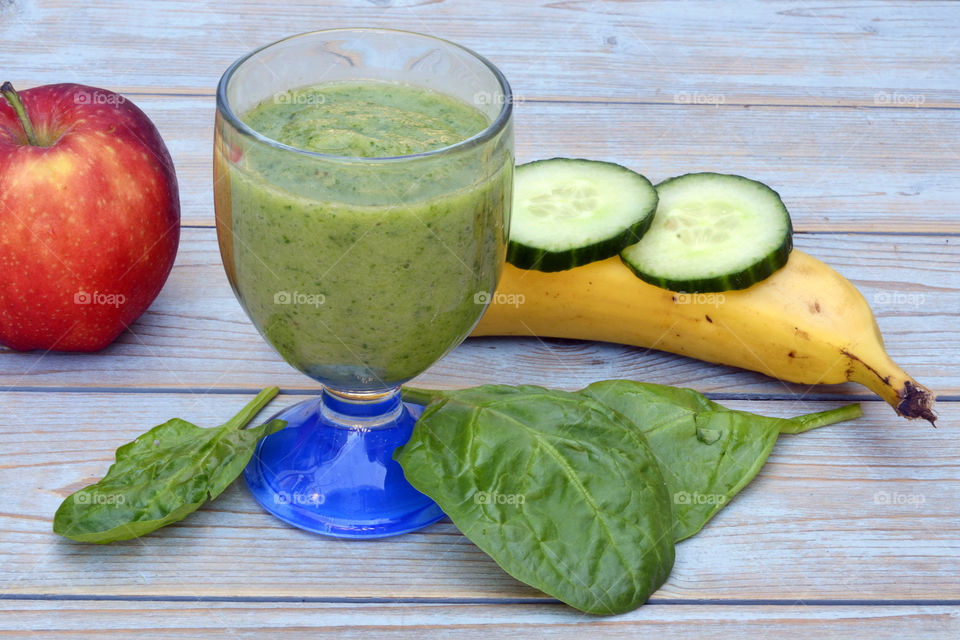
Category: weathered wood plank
<point>96,620</point>
<point>196,336</point>
<point>837,170</point>
<point>860,511</point>
<point>745,52</point>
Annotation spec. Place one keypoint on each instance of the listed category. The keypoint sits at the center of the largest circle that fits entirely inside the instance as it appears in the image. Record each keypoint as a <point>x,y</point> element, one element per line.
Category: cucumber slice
<point>568,212</point>
<point>712,232</point>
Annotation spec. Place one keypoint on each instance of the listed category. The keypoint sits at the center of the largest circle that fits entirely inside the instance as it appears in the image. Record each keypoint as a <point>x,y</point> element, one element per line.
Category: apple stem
<point>14,99</point>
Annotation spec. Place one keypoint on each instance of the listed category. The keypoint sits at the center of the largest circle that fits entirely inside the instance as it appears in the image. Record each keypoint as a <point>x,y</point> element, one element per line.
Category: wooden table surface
<point>851,111</point>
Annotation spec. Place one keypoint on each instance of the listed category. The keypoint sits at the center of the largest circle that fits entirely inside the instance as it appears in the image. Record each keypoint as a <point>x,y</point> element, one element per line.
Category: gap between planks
<point>604,100</point>
<point>818,232</point>
<point>745,602</point>
<point>716,396</point>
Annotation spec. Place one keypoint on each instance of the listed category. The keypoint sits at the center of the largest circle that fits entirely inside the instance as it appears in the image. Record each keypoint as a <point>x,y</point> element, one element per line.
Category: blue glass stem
<point>331,470</point>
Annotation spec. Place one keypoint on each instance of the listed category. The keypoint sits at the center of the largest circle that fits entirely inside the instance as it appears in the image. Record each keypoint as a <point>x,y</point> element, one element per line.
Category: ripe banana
<point>805,323</point>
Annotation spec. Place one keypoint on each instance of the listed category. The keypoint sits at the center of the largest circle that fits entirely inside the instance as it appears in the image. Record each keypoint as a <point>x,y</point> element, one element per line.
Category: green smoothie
<point>362,273</point>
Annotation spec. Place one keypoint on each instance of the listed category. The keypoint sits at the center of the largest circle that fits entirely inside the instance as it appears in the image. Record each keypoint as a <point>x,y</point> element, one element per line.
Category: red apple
<point>89,216</point>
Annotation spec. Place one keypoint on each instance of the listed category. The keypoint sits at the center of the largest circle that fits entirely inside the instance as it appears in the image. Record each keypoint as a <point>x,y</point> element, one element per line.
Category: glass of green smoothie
<point>362,183</point>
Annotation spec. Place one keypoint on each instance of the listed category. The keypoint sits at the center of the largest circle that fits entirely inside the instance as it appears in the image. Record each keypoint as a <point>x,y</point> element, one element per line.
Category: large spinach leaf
<point>560,490</point>
<point>707,453</point>
<point>163,476</point>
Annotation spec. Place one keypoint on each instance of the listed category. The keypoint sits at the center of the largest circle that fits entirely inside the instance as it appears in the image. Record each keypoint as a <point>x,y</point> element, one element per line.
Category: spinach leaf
<point>707,453</point>
<point>163,476</point>
<point>561,491</point>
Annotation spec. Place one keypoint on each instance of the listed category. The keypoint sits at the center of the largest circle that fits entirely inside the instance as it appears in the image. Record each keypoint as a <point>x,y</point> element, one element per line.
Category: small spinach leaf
<point>163,476</point>
<point>707,453</point>
<point>561,491</point>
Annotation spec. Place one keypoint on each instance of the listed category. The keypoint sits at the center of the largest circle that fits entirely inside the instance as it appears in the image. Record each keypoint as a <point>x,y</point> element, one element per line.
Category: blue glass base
<point>331,470</point>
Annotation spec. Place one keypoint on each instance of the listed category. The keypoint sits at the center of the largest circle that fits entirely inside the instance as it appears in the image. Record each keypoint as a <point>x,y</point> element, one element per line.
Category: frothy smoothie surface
<point>366,120</point>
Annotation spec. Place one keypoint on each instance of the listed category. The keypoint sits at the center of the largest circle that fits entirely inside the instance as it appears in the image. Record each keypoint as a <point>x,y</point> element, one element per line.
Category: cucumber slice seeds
<point>569,212</point>
<point>712,232</point>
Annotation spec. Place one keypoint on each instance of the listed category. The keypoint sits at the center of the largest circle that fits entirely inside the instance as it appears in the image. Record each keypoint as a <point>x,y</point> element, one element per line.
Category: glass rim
<point>493,129</point>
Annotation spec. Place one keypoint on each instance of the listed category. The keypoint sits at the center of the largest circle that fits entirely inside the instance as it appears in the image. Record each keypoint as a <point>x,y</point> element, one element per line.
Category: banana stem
<point>810,421</point>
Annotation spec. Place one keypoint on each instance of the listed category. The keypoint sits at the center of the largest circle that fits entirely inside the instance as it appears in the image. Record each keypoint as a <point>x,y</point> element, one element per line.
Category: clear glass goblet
<point>360,271</point>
